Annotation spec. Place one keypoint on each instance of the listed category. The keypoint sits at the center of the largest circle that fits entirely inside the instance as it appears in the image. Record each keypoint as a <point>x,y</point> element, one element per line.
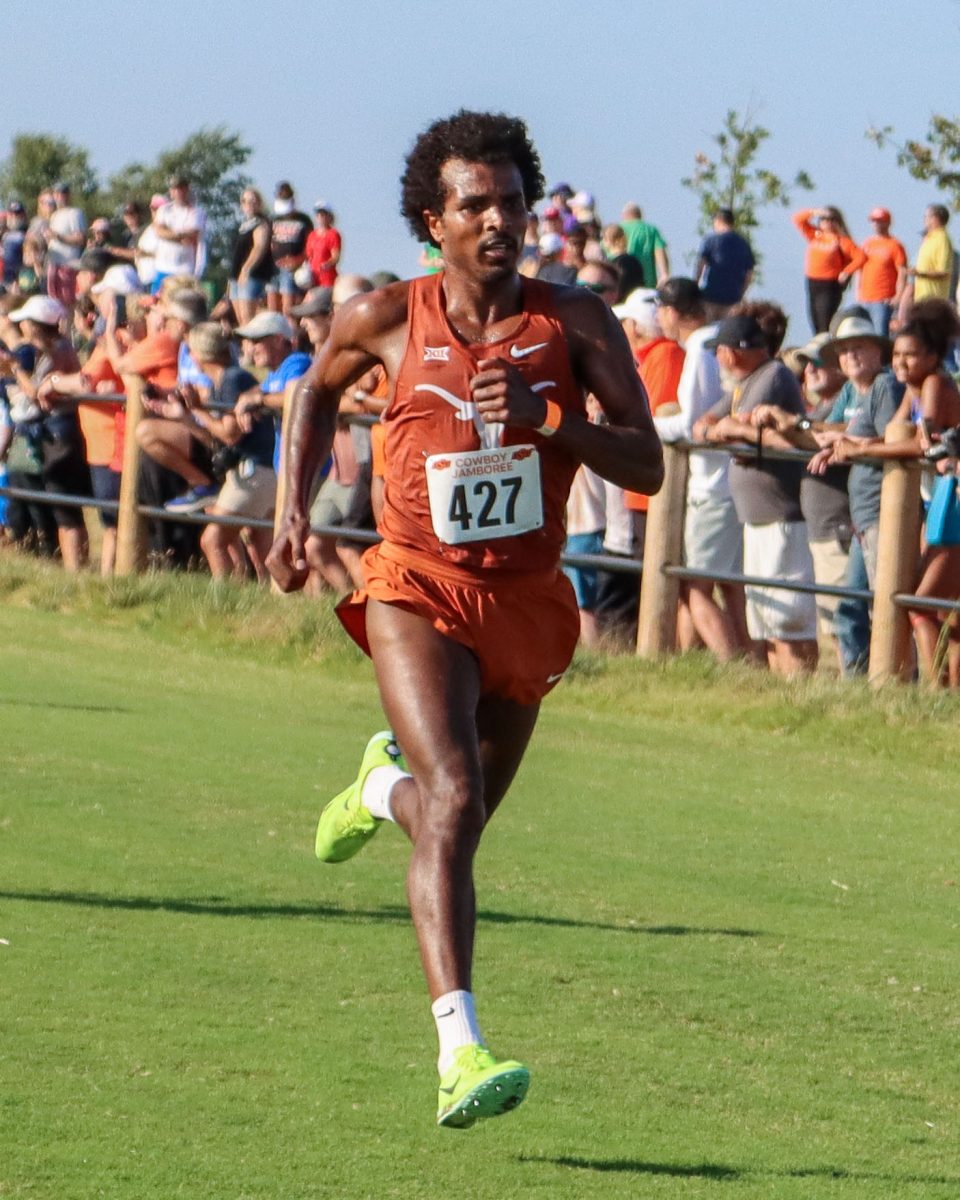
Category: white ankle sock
<point>455,1015</point>
<point>377,788</point>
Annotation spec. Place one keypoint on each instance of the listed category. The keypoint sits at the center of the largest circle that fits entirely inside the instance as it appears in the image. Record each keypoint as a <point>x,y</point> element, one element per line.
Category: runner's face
<point>481,226</point>
<point>912,361</point>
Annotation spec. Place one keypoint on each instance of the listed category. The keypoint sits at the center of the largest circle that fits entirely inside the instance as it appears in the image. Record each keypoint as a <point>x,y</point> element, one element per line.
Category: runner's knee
<point>452,802</point>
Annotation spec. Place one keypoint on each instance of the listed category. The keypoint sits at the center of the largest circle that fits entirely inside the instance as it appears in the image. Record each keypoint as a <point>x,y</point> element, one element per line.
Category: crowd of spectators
<point>85,309</point>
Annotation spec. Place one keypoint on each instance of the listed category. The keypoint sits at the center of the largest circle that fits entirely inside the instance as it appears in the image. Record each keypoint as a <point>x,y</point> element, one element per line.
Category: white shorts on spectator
<point>249,493</point>
<point>779,551</point>
<point>713,536</point>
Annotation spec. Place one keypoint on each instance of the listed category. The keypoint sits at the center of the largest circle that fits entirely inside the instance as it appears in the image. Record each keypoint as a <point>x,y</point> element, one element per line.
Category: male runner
<point>465,613</point>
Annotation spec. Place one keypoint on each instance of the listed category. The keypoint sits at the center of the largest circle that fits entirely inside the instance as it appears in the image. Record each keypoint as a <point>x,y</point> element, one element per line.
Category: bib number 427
<point>482,494</point>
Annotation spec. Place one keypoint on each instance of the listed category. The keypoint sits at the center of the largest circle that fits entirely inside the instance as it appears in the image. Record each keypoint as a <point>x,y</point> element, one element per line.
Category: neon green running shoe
<point>477,1086</point>
<point>345,825</point>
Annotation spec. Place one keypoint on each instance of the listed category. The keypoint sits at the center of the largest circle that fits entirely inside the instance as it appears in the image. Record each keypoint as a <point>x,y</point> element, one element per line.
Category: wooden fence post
<point>282,474</point>
<point>131,527</point>
<point>899,548</point>
<point>662,547</point>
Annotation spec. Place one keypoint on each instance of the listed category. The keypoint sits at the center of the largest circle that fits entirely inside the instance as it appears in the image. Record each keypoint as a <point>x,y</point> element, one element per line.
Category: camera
<point>947,447</point>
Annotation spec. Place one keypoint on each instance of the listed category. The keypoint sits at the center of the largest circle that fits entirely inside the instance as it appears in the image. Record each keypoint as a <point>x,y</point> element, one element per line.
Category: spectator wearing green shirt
<point>646,243</point>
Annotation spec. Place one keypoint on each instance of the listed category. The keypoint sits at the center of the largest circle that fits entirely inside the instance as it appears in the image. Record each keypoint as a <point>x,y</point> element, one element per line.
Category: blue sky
<point>619,97</point>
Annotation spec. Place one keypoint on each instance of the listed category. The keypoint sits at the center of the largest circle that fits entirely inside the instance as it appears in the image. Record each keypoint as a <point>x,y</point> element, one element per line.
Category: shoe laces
<point>474,1057</point>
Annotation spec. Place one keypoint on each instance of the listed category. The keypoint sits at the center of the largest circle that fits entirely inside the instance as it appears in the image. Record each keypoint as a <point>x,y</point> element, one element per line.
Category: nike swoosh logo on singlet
<point>522,352</point>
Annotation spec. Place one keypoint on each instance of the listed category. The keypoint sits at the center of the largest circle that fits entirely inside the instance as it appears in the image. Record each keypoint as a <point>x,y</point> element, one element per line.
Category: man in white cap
<point>273,338</point>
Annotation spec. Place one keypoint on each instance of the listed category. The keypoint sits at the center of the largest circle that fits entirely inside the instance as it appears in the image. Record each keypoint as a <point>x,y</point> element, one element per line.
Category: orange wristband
<point>552,421</point>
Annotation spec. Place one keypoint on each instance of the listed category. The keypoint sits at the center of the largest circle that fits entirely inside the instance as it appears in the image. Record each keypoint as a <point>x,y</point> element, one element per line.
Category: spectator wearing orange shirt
<point>883,275</point>
<point>101,424</point>
<point>832,257</point>
<point>659,359</point>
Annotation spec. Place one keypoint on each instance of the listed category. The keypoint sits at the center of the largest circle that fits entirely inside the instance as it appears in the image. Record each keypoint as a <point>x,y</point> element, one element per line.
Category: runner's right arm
<point>359,332</point>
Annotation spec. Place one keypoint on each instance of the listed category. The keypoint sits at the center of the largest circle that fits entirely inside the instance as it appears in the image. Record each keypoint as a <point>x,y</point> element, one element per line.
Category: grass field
<point>718,917</point>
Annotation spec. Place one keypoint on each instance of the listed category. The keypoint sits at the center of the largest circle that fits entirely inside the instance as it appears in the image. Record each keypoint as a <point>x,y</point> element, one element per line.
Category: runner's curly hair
<point>934,324</point>
<point>474,137</point>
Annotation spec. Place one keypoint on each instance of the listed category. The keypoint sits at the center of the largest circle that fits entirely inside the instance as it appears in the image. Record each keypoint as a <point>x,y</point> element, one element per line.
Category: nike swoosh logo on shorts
<point>554,678</point>
<point>523,351</point>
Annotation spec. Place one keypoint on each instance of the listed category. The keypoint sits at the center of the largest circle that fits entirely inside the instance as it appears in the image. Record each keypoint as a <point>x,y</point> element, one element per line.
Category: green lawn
<point>718,917</point>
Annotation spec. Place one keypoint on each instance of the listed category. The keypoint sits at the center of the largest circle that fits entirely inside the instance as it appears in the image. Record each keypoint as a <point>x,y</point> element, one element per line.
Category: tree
<point>210,158</point>
<point>731,180</point>
<point>38,160</point>
<point>936,158</point>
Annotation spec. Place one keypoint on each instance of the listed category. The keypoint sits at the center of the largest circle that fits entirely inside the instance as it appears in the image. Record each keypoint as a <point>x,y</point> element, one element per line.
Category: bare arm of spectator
<point>662,261</point>
<point>220,427</point>
<point>260,244</point>
<point>108,310</point>
<point>357,399</point>
<point>720,410</point>
<point>738,429</point>
<point>251,402</point>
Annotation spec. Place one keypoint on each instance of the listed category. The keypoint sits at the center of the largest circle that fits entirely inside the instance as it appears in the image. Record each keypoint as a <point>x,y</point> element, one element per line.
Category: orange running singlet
<point>478,496</point>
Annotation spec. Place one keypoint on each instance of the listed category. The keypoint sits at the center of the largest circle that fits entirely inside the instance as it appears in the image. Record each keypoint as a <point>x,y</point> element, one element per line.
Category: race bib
<point>476,495</point>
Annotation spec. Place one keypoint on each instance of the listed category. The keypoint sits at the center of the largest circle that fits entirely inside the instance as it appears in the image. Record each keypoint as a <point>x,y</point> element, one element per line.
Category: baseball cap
<point>550,243</point>
<point>322,206</point>
<point>267,324</point>
<point>15,206</point>
<point>61,186</point>
<point>121,278</point>
<point>640,306</point>
<point>561,189</point>
<point>681,293</point>
<point>880,214</point>
<point>42,309</point>
<point>318,302</point>
<point>739,333</point>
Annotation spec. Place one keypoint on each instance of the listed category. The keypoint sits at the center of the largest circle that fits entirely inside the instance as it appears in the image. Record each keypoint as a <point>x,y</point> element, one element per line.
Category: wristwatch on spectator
<point>804,425</point>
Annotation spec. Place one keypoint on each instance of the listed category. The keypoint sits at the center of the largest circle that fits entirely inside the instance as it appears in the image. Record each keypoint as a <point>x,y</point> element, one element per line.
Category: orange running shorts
<point>522,626</point>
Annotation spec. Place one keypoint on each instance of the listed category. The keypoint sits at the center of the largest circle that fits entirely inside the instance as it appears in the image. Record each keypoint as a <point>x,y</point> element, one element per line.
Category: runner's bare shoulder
<point>584,315</point>
<point>589,325</point>
<point>368,321</point>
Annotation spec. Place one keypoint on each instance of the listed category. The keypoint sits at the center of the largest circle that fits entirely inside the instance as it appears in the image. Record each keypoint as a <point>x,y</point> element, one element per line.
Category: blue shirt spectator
<point>725,262</point>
